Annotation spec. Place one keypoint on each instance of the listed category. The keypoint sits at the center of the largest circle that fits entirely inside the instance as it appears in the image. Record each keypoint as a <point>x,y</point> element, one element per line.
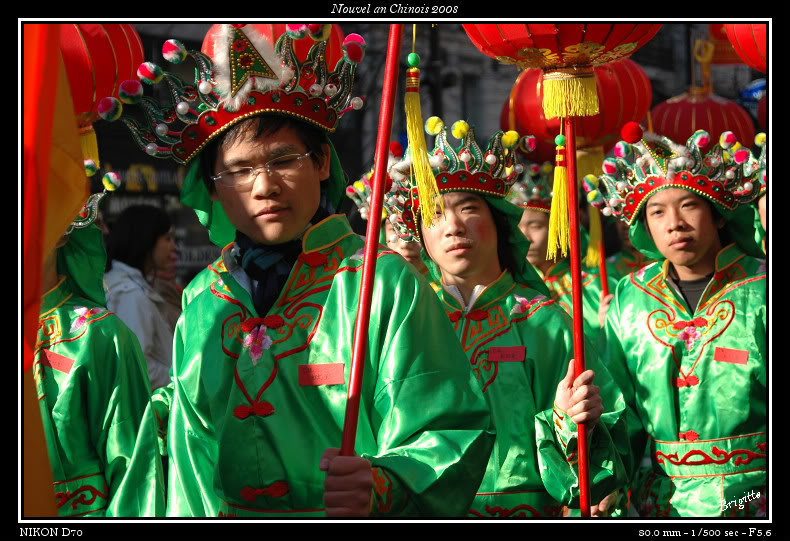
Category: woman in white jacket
<point>140,246</point>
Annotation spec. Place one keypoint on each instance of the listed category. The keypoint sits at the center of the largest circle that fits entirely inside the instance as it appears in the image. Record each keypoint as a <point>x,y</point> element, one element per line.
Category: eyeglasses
<point>283,167</point>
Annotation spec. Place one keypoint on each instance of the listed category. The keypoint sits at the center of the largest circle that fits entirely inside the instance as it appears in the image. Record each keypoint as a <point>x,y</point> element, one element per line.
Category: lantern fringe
<point>567,95</point>
<point>559,228</point>
<point>89,145</point>
<point>427,189</point>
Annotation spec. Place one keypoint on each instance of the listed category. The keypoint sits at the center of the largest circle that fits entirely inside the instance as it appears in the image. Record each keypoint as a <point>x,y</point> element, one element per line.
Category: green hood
<point>82,261</point>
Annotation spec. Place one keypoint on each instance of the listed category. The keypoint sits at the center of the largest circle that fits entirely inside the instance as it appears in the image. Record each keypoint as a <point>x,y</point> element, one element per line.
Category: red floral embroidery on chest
<point>688,339</point>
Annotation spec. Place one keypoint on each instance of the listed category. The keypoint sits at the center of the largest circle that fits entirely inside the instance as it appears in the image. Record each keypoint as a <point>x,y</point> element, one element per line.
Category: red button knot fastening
<point>249,324</point>
<point>275,490</point>
<point>261,409</point>
<point>696,322</point>
<point>477,315</point>
<point>313,259</point>
<point>688,381</point>
<point>455,316</point>
<point>689,435</point>
<point>274,321</point>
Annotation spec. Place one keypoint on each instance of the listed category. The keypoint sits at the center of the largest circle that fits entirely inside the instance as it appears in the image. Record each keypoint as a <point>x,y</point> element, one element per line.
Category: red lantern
<point>624,95</point>
<point>762,114</point>
<point>723,52</point>
<point>679,117</point>
<point>98,58</point>
<point>749,41</point>
<point>566,52</point>
<point>334,50</point>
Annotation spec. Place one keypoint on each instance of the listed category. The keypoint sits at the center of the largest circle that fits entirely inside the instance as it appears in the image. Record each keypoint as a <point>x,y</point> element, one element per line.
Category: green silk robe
<point>257,400</point>
<point>164,395</point>
<point>695,384</point>
<point>92,381</point>
<point>519,344</point>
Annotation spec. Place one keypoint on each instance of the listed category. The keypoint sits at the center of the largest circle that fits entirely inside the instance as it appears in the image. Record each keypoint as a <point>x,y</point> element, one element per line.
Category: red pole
<point>578,321</point>
<point>372,240</point>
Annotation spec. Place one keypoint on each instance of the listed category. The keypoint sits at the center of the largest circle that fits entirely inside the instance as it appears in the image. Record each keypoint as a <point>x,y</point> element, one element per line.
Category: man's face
<point>463,241</point>
<point>409,250</point>
<point>682,226</point>
<point>535,226</point>
<point>273,210</point>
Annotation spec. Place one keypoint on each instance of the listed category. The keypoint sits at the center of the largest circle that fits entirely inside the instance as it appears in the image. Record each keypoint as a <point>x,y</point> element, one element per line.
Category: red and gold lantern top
<point>750,42</point>
<point>723,51</point>
<point>565,52</point>
<point>624,95</point>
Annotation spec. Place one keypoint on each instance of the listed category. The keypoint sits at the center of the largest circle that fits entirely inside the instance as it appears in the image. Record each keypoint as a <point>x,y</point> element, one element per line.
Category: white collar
<point>455,292</point>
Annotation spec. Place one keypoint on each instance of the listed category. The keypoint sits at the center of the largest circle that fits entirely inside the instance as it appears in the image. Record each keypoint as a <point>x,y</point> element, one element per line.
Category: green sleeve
<point>161,401</point>
<point>433,434</point>
<point>118,401</point>
<point>557,440</point>
<point>191,439</point>
<point>617,366</point>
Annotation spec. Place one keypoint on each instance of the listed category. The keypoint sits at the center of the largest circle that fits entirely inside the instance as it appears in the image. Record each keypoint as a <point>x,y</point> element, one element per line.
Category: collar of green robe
<point>728,176</point>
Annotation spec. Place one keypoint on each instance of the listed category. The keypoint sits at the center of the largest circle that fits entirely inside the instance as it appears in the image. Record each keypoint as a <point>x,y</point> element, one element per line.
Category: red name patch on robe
<point>57,362</point>
<point>321,374</point>
<point>508,354</point>
<point>727,355</point>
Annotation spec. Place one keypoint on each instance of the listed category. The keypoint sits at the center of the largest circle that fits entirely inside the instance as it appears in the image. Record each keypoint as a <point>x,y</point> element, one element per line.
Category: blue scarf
<point>270,265</point>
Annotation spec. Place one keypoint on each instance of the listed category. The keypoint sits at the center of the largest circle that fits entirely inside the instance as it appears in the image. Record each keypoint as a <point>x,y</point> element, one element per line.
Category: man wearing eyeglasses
<point>262,351</point>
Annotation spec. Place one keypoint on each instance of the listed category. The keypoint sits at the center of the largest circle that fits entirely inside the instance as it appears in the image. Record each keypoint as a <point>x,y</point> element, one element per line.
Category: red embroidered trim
<point>221,514</point>
<point>277,489</point>
<point>762,446</point>
<point>689,435</point>
<point>505,512</point>
<point>707,459</point>
<point>383,488</point>
<point>84,330</point>
<point>63,497</point>
<point>455,316</point>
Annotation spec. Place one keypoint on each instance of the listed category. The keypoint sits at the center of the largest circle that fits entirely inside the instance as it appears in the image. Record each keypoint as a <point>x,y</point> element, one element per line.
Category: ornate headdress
<point>361,190</point>
<point>239,74</point>
<point>90,211</point>
<point>534,189</point>
<point>247,76</point>
<point>464,168</point>
<point>728,175</point>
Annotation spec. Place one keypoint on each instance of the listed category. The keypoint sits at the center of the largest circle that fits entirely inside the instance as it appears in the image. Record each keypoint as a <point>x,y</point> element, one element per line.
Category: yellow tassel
<point>570,92</point>
<point>559,228</point>
<point>593,257</point>
<point>89,145</point>
<point>588,162</point>
<point>427,189</point>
